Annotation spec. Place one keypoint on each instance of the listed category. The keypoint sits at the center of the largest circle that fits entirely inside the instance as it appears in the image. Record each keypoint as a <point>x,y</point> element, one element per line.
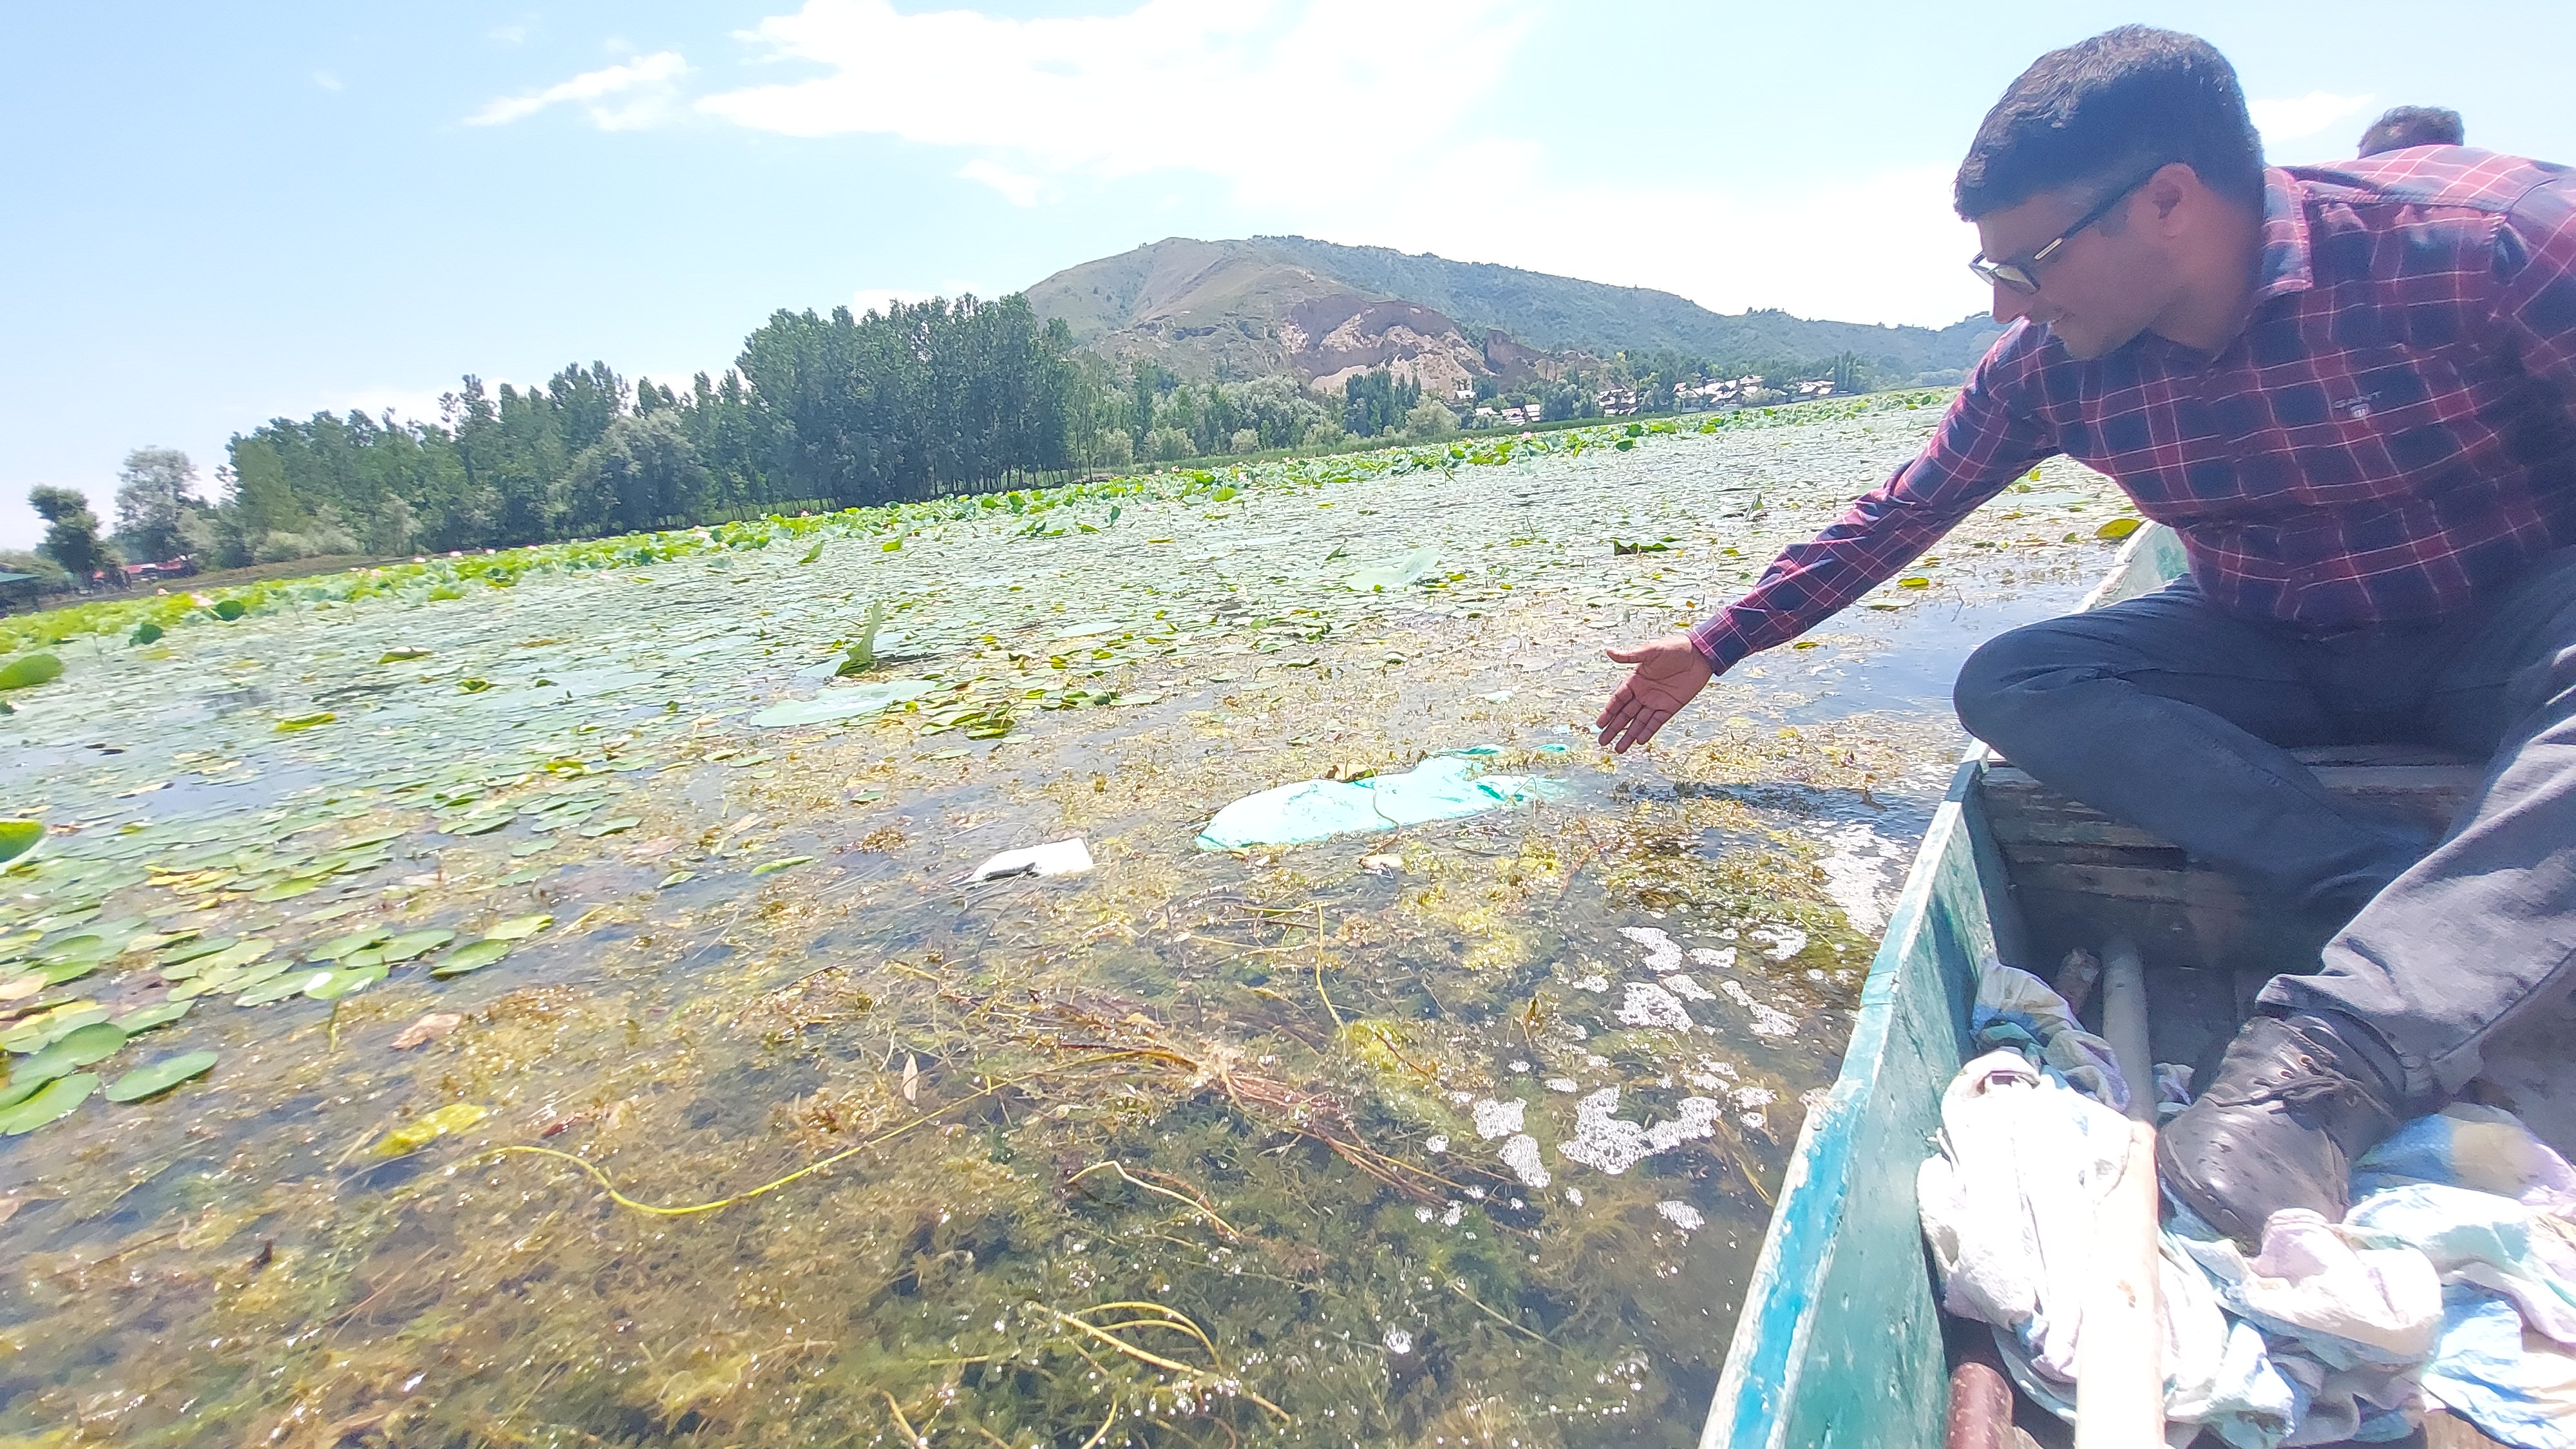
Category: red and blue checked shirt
<point>2390,438</point>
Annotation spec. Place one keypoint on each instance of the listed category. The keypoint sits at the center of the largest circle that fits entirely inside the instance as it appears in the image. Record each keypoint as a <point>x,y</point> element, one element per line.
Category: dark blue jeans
<point>2165,712</point>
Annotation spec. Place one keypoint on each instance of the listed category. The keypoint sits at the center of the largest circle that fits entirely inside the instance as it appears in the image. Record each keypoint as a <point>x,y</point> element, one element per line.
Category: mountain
<point>1270,305</point>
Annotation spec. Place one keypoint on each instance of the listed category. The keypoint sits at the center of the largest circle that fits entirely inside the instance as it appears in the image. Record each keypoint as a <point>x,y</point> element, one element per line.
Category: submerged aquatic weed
<point>909,1139</point>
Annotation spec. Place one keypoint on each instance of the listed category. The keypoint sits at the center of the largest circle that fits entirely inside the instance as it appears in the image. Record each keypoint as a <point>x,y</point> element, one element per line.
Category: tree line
<point>817,412</point>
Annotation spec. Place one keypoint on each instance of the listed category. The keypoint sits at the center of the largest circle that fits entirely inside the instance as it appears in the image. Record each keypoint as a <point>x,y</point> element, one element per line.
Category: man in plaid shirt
<point>2352,391</point>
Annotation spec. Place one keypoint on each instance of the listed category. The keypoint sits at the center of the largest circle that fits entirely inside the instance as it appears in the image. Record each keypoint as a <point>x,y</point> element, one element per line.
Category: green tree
<point>155,489</point>
<point>71,530</point>
<point>1428,419</point>
<point>641,474</point>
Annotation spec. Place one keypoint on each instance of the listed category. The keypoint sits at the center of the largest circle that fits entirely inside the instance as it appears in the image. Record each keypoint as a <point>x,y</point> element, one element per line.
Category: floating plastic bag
<point>1445,787</point>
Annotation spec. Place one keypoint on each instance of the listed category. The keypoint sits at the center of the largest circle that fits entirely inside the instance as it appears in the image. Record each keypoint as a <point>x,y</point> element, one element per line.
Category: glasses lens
<point>2004,274</point>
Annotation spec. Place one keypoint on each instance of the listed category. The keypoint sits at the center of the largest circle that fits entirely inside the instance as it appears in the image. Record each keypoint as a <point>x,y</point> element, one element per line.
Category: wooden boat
<point>1840,1341</point>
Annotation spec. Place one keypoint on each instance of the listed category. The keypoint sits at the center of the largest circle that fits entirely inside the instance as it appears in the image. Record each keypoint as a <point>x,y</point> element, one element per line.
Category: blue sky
<point>220,214</point>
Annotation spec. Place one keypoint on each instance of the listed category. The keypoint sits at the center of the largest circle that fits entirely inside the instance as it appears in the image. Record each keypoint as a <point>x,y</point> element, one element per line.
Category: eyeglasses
<point>2023,277</point>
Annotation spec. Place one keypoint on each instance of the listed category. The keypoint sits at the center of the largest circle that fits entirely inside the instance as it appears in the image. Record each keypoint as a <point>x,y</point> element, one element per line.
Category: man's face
<point>2107,284</point>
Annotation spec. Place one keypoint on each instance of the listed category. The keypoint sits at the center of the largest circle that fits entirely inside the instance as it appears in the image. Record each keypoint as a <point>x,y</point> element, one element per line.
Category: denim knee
<point>1994,692</point>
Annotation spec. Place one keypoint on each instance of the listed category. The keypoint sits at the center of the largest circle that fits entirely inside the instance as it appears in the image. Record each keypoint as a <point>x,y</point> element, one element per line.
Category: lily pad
<point>28,670</point>
<point>231,609</point>
<point>154,1078</point>
<point>340,948</point>
<point>472,957</point>
<point>844,702</point>
<point>414,943</point>
<point>518,928</point>
<point>19,838</point>
<point>135,1023</point>
<point>611,827</point>
<point>296,723</point>
<point>342,981</point>
<point>401,656</point>
<point>51,1103</point>
<point>783,863</point>
<point>2118,528</point>
<point>146,632</point>
<point>408,1139</point>
<point>280,987</point>
<point>92,1043</point>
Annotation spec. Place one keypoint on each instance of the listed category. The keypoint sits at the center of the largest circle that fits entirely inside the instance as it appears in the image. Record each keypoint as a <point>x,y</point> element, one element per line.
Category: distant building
<point>1813,387</point>
<point>1617,402</point>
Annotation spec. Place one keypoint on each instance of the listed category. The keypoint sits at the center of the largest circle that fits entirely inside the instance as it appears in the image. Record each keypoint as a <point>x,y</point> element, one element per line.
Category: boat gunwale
<point>1767,1354</point>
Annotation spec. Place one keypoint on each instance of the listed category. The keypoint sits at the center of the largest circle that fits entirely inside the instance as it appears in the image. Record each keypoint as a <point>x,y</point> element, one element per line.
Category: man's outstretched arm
<point>1982,445</point>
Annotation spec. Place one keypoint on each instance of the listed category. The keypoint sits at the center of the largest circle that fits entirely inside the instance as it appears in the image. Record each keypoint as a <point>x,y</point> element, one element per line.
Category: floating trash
<point>1445,787</point>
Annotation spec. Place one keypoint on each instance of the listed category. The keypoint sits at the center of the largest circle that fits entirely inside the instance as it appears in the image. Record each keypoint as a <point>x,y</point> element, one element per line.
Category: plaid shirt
<point>2391,437</point>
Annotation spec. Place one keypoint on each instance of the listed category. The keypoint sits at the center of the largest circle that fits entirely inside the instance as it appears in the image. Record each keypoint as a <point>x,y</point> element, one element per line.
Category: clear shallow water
<point>1313,1145</point>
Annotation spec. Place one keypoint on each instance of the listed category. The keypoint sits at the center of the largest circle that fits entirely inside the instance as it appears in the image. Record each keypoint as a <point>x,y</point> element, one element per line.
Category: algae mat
<point>590,1063</point>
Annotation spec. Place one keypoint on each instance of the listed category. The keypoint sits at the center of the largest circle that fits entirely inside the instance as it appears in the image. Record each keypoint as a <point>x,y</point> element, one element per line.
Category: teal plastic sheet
<point>1444,787</point>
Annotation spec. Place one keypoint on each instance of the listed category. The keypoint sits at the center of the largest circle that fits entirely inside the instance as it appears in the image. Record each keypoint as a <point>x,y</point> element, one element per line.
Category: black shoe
<point>2290,1107</point>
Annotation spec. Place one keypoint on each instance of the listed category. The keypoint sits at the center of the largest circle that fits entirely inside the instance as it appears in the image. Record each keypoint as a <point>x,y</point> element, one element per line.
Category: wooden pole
<point>2119,1370</point>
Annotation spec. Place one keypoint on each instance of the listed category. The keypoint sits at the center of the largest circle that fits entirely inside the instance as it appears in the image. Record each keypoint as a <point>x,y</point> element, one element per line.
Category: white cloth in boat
<point>2018,1010</point>
<point>2008,1202</point>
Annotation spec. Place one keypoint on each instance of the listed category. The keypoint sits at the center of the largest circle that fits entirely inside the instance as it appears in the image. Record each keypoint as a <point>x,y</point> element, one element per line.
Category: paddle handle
<point>2119,1368</point>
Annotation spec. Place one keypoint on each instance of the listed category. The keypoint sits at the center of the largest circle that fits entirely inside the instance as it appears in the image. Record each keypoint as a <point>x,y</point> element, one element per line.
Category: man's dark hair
<point>2103,111</point>
<point>2406,126</point>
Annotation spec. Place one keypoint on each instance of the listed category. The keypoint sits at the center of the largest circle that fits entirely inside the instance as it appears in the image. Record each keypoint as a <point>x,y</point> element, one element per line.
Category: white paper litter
<point>1056,857</point>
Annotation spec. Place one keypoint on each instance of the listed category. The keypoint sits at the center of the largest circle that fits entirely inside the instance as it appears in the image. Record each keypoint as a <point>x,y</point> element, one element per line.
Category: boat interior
<point>2077,879</point>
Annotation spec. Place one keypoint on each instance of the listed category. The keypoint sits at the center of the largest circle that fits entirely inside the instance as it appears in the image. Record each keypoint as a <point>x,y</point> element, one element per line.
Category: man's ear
<point>2173,191</point>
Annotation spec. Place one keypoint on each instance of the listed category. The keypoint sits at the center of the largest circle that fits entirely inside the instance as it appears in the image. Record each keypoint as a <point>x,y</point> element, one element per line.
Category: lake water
<point>1460,1133</point>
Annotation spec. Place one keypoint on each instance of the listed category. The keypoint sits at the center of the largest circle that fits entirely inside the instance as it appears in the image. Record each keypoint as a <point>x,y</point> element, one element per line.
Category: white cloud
<point>1873,248</point>
<point>2300,117</point>
<point>327,81</point>
<point>623,97</point>
<point>1278,97</point>
<point>1346,119</point>
<point>1017,189</point>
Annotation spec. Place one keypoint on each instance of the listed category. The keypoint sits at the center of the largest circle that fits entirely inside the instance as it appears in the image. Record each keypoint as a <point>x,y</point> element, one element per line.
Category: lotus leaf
<point>2118,528</point>
<point>231,609</point>
<point>298,722</point>
<point>1403,571</point>
<point>19,838</point>
<point>402,656</point>
<point>53,1102</point>
<point>28,670</point>
<point>144,633</point>
<point>473,957</point>
<point>783,863</point>
<point>518,928</point>
<point>153,1078</point>
<point>408,1139</point>
<point>844,702</point>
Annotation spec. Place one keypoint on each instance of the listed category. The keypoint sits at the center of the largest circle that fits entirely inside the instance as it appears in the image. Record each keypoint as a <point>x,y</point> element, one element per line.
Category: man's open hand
<point>1669,673</point>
